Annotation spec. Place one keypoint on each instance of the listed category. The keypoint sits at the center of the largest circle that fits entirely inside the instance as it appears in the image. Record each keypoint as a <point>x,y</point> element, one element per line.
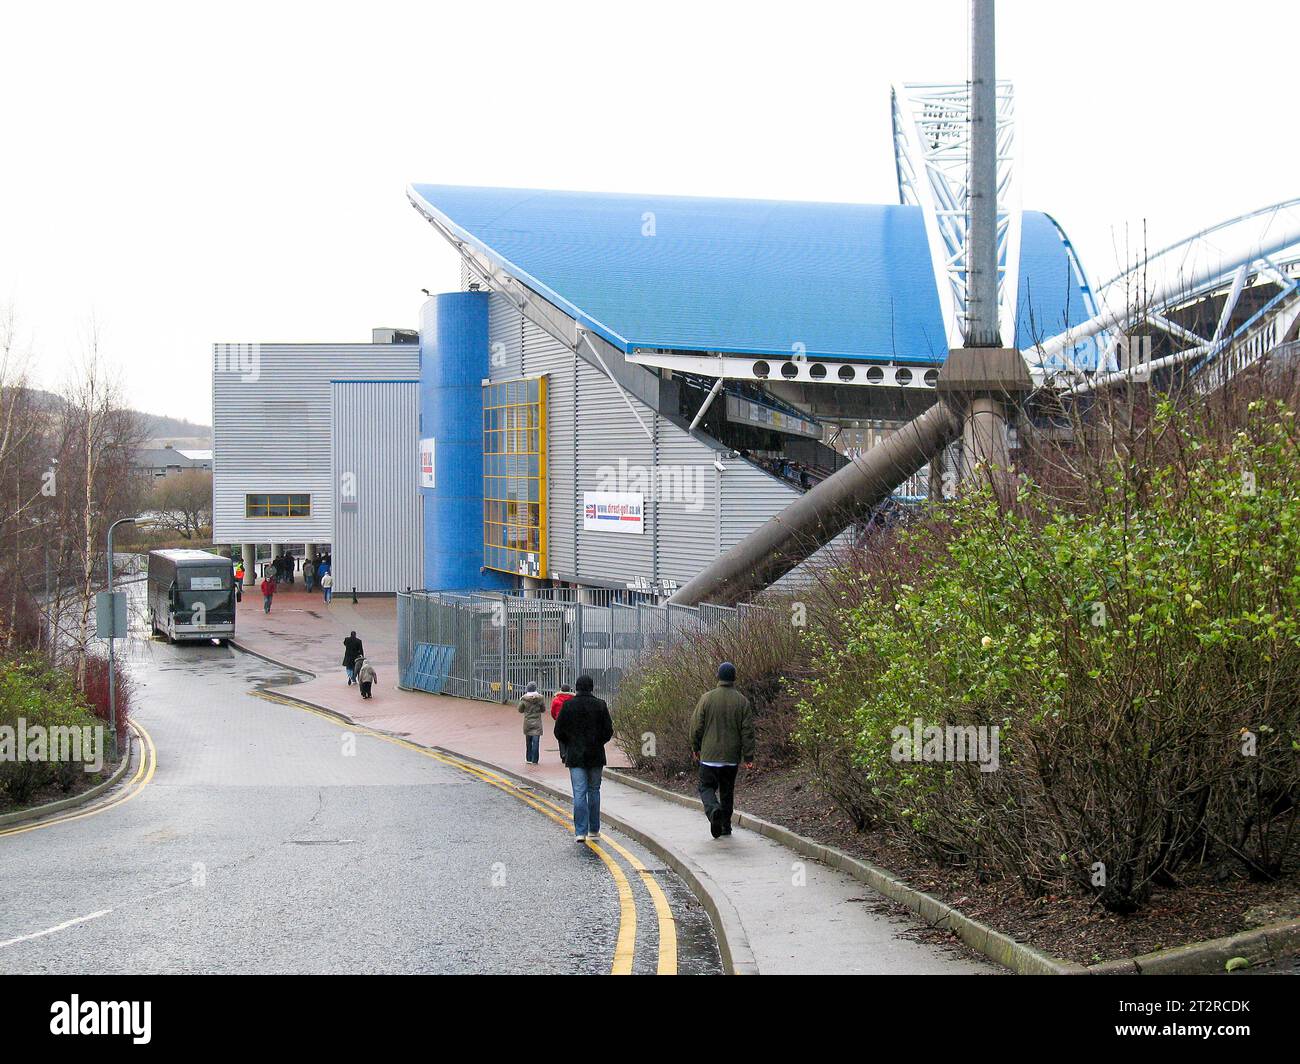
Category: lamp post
<point>112,670</point>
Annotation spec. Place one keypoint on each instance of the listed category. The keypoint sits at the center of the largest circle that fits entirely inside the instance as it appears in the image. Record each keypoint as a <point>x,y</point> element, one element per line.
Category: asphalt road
<point>270,839</point>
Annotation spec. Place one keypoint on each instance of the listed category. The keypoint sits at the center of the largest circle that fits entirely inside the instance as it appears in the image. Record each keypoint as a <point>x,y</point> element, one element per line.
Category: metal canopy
<point>783,280</point>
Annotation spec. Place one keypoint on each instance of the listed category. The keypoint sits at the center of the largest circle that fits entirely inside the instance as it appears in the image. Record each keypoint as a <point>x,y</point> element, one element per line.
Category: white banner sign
<point>427,449</point>
<point>613,511</point>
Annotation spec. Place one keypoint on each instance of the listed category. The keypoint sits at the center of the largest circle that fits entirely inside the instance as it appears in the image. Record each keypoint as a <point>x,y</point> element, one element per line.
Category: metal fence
<point>502,641</point>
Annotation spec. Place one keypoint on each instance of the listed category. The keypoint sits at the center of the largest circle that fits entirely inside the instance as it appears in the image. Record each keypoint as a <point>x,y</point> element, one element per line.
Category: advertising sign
<point>427,478</point>
<point>613,511</point>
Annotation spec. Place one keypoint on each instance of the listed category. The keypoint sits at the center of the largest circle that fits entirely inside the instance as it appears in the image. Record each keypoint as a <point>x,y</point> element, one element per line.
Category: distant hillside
<point>157,429</point>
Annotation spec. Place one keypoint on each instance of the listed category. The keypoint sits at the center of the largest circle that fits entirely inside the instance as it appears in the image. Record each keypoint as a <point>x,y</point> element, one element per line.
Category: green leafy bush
<point>33,690</point>
<point>653,707</point>
<point>1136,644</point>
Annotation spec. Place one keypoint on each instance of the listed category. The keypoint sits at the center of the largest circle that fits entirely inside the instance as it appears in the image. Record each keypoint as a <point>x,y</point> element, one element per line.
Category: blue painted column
<point>453,365</point>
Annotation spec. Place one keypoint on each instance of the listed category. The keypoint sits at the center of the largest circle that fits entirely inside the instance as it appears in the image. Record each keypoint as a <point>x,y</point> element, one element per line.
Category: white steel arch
<point>931,125</point>
<point>1259,247</point>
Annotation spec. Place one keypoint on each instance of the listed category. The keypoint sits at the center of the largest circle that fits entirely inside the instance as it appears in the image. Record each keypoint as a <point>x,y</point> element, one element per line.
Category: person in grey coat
<point>531,706</point>
<point>366,675</point>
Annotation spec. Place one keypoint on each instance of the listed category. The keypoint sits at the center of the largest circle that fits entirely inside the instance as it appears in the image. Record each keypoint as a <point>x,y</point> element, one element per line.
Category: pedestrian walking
<point>366,676</point>
<point>583,728</point>
<point>308,574</point>
<point>353,651</point>
<point>532,705</point>
<point>268,592</point>
<point>562,696</point>
<point>722,736</point>
<point>327,586</point>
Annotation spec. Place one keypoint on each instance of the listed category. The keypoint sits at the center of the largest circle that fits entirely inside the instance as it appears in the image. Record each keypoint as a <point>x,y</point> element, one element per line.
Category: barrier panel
<point>491,645</point>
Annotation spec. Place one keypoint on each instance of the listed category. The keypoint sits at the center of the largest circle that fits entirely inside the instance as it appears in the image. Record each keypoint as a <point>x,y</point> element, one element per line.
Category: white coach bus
<point>191,595</point>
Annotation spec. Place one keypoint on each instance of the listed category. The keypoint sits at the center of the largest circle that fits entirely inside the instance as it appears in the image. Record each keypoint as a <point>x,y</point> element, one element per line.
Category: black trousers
<point>718,790</point>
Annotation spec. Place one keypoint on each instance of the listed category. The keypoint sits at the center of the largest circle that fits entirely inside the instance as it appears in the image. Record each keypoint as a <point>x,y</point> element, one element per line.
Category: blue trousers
<point>586,800</point>
<point>532,748</point>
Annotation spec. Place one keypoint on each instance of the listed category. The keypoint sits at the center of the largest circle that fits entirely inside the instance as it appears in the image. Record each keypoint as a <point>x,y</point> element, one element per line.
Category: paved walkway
<point>800,917</point>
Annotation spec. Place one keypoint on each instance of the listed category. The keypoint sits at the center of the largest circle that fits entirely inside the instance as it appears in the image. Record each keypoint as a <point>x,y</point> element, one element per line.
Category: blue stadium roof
<point>846,280</point>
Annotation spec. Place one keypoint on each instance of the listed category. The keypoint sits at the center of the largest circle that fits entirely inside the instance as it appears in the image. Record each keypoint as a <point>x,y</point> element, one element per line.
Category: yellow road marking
<point>663,911</point>
<point>143,774</point>
<point>625,942</point>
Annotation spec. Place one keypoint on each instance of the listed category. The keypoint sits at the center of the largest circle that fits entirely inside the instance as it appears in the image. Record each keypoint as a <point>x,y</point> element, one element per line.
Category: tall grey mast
<point>982,199</point>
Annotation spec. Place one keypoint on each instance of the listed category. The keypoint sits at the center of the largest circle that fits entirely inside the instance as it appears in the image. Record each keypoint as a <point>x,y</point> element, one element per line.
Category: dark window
<point>277,505</point>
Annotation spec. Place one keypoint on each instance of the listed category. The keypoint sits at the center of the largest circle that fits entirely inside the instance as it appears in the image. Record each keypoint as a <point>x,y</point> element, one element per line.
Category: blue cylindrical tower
<point>453,365</point>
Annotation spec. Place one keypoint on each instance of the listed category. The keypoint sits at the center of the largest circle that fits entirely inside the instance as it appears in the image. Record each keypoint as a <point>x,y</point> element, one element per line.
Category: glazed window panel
<point>514,476</point>
<point>277,504</point>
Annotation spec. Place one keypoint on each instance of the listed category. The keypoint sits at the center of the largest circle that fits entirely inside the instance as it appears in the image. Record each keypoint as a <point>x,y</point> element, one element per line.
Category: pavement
<point>800,917</point>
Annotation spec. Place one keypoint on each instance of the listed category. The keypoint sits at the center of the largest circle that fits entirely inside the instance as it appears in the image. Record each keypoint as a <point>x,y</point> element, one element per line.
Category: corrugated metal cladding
<point>271,415</point>
<point>378,535</point>
<point>693,511</point>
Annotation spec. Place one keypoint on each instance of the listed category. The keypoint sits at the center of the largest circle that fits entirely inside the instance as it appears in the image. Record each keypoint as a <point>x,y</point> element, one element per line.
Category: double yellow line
<point>143,774</point>
<point>625,942</point>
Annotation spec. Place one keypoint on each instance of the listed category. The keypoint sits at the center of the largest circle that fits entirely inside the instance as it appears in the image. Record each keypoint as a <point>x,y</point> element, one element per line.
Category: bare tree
<point>98,436</point>
<point>24,484</point>
<point>183,503</point>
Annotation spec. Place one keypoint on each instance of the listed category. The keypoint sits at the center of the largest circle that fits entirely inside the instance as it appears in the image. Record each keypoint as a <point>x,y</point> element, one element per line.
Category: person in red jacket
<point>564,694</point>
<point>268,589</point>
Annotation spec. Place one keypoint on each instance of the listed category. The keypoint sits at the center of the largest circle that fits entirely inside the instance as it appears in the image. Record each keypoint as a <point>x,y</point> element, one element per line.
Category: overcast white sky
<point>190,173</point>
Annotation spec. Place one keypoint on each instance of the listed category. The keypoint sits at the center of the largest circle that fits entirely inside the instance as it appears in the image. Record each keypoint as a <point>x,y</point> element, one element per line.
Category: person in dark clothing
<point>583,728</point>
<point>352,650</point>
<point>722,736</point>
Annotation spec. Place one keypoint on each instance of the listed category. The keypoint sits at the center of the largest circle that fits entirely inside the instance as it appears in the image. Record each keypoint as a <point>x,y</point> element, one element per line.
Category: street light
<point>112,671</point>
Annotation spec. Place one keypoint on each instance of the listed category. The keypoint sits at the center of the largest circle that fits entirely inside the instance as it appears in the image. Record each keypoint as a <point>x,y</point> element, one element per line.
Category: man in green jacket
<point>722,736</point>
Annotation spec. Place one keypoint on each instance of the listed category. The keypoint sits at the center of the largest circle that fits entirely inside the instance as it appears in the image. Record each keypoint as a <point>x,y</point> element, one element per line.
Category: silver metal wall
<point>378,531</point>
<point>693,510</point>
<point>271,420</point>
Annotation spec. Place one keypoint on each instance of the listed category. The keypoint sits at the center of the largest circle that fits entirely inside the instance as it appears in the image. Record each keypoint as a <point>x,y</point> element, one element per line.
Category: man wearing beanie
<point>722,736</point>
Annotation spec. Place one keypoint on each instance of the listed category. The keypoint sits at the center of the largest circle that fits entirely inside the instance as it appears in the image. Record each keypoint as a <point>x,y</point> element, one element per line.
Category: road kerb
<point>1020,958</point>
<point>733,942</point>
<point>22,816</point>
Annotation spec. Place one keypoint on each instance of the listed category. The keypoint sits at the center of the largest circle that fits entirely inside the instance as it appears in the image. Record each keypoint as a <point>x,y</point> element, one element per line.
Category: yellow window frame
<point>514,428</point>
